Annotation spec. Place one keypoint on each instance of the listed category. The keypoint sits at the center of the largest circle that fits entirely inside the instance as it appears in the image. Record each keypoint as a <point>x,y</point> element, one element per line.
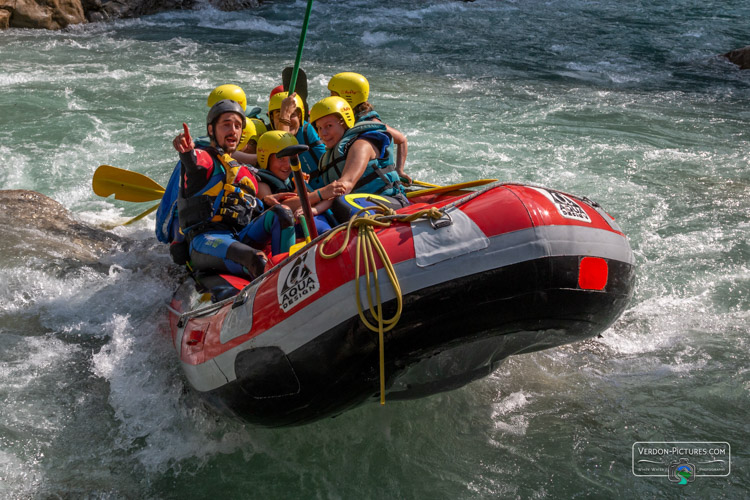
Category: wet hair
<point>362,109</point>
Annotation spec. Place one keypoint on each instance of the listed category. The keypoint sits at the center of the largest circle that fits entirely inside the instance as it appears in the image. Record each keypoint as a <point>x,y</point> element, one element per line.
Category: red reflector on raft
<point>195,337</point>
<point>592,273</point>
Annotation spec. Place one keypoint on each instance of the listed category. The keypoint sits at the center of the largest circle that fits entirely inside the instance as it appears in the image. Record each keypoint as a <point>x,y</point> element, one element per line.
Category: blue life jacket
<point>310,158</point>
<point>369,116</point>
<point>380,175</point>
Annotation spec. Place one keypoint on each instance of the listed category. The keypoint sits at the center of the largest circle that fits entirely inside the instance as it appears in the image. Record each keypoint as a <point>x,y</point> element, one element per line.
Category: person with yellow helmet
<point>357,154</point>
<point>254,128</point>
<point>222,92</point>
<point>277,190</point>
<point>276,173</point>
<point>286,113</point>
<point>228,91</point>
<point>245,150</point>
<point>356,90</point>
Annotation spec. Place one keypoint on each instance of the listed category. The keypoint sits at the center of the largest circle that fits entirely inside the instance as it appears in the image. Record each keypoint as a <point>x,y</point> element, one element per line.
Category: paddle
<point>300,86</point>
<point>300,46</point>
<point>415,182</point>
<point>452,187</point>
<point>299,182</point>
<point>125,185</point>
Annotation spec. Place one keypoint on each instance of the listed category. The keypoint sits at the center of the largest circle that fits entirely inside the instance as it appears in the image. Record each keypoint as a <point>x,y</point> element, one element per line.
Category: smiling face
<point>227,131</point>
<point>331,129</point>
<point>280,167</point>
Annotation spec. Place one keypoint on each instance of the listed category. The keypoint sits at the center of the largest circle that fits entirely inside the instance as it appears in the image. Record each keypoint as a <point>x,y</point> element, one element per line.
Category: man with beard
<point>217,200</point>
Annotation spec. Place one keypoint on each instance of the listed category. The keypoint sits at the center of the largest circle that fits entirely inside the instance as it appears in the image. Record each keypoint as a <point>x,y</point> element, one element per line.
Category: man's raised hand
<point>183,142</point>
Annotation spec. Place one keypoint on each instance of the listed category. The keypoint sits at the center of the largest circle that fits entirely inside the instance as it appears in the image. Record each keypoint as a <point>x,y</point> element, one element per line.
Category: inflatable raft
<point>479,276</point>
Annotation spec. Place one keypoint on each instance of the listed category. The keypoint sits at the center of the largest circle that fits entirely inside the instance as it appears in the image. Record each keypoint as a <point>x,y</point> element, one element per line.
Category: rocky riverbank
<point>57,14</point>
<point>33,223</point>
<point>740,57</point>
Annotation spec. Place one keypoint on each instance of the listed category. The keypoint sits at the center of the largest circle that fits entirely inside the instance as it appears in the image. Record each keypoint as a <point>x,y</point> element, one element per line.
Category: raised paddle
<point>125,185</point>
<point>300,46</point>
<point>447,189</point>
<point>300,87</point>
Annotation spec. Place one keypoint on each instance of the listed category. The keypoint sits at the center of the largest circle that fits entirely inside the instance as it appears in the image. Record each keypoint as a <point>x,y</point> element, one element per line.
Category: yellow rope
<point>368,239</point>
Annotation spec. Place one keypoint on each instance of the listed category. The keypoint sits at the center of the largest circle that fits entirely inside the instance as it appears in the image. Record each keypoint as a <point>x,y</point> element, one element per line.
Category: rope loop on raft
<point>368,244</point>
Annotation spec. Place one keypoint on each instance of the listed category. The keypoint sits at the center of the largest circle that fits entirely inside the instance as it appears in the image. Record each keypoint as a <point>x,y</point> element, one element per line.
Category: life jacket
<point>380,175</point>
<point>221,202</point>
<point>277,185</point>
<point>310,158</point>
<point>202,142</point>
<point>369,116</point>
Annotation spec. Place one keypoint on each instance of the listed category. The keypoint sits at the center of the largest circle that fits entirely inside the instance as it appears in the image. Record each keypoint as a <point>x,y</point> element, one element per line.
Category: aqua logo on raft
<point>566,206</point>
<point>682,461</point>
<point>297,280</point>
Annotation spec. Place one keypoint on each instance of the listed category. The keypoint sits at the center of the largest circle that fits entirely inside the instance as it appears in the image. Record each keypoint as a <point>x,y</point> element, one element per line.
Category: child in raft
<point>277,186</point>
<point>286,113</point>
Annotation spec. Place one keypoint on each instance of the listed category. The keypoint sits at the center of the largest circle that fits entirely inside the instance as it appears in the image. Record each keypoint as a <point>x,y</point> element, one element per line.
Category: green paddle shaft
<point>301,45</point>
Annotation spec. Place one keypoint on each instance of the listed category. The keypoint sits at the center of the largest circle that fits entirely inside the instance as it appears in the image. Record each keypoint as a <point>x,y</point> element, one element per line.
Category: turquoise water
<point>626,103</point>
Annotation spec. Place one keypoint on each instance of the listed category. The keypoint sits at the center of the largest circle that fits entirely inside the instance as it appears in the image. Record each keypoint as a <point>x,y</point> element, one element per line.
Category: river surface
<point>624,102</point>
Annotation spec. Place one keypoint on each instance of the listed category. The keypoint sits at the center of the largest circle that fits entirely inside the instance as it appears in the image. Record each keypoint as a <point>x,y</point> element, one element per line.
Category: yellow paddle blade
<point>423,184</point>
<point>125,185</point>
<point>452,187</point>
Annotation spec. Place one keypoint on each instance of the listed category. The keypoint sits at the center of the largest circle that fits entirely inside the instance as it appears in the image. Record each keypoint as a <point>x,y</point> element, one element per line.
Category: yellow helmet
<point>271,143</point>
<point>351,86</point>
<point>228,91</point>
<point>332,105</point>
<point>254,128</point>
<point>275,103</point>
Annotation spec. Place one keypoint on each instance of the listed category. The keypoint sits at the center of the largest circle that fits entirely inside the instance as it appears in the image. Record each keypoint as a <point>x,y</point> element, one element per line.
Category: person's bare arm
<point>360,154</point>
<point>246,158</point>
<point>399,139</point>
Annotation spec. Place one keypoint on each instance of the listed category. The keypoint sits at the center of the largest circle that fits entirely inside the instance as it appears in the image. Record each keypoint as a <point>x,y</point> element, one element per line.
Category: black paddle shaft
<point>293,151</point>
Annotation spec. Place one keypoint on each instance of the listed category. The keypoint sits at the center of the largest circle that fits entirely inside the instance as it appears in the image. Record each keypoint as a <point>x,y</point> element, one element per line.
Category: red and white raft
<point>509,269</point>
